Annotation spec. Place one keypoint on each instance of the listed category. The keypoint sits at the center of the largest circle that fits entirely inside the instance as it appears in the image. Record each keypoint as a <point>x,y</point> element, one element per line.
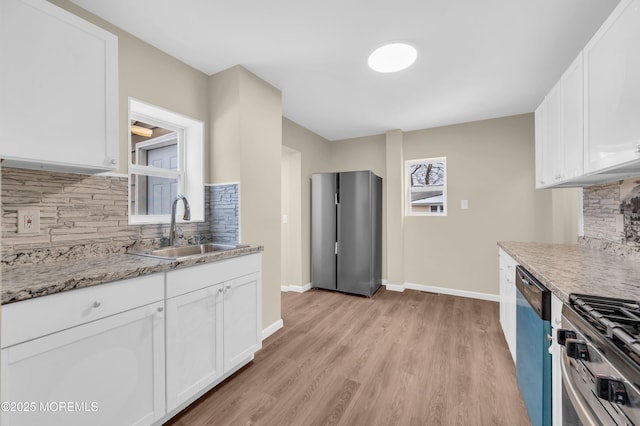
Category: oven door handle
<point>579,404</point>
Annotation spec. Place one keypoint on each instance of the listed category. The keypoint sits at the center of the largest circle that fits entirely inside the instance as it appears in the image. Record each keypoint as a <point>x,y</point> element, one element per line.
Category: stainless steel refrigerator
<point>346,232</point>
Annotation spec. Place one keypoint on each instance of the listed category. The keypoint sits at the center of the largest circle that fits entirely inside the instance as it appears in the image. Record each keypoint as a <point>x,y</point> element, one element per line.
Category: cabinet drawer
<point>29,319</point>
<point>194,278</point>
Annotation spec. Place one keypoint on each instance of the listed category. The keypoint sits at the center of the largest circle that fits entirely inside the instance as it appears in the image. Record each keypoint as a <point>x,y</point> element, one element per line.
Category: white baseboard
<point>443,290</point>
<point>272,328</point>
<point>295,288</point>
<point>393,287</point>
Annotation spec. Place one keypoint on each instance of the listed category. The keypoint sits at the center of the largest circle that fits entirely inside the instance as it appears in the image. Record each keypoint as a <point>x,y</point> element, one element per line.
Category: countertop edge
<point>567,269</point>
<point>25,282</point>
<point>546,281</point>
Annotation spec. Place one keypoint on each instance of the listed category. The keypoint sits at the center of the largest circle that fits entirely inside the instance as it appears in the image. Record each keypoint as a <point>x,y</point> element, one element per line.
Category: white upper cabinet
<point>559,130</point>
<point>598,138</point>
<point>548,139</point>
<point>612,88</point>
<point>572,118</point>
<point>59,85</point>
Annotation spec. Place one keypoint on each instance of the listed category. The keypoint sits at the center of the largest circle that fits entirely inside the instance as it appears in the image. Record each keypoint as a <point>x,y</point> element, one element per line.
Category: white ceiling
<point>477,59</point>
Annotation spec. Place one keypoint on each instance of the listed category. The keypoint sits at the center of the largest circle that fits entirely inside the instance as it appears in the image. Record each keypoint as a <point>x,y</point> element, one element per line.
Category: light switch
<point>464,204</point>
<point>285,219</point>
<point>28,221</point>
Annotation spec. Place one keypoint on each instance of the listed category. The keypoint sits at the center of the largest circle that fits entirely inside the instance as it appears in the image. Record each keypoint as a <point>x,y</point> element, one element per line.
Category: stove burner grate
<point>617,319</point>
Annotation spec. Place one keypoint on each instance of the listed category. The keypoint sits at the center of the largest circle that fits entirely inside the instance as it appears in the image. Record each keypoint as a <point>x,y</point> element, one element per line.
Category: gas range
<point>601,358</point>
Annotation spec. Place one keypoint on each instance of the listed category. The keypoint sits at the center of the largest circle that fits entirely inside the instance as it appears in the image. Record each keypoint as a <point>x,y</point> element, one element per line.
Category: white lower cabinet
<point>100,355</point>
<point>108,371</point>
<point>194,343</point>
<point>214,325</point>
<point>556,373</point>
<point>508,300</point>
<point>242,331</point>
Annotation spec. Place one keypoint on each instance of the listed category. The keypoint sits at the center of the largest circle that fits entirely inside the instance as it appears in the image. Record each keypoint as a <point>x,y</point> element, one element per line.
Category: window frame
<point>409,210</point>
<point>190,172</point>
<point>151,171</point>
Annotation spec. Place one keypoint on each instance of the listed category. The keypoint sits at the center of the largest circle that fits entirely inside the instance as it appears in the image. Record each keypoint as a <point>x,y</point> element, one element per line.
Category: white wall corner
<point>272,328</point>
<point>295,288</point>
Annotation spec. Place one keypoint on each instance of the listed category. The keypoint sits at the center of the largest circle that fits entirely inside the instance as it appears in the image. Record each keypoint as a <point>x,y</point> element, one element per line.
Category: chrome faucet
<point>187,216</point>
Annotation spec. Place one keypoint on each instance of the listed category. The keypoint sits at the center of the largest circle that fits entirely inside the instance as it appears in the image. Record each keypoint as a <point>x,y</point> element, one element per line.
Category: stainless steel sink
<point>174,253</point>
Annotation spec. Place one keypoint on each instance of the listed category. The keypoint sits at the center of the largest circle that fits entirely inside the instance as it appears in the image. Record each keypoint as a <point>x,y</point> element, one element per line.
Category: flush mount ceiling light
<point>392,57</point>
<point>141,131</point>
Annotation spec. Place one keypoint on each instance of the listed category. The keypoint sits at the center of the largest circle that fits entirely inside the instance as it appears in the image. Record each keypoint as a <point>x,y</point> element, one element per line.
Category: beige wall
<point>315,157</point>
<point>491,164</point>
<point>224,125</point>
<point>565,212</point>
<point>291,210</point>
<point>246,139</point>
<point>394,209</point>
<point>366,153</point>
<point>147,74</point>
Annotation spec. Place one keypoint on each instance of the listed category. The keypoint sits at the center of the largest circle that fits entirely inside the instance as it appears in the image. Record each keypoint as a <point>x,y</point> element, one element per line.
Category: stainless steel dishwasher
<point>533,361</point>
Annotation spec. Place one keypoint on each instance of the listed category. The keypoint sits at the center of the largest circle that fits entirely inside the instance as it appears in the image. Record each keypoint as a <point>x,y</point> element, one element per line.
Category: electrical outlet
<point>28,221</point>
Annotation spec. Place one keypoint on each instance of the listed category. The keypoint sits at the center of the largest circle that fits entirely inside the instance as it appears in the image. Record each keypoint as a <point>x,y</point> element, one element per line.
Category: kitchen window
<point>165,159</point>
<point>426,187</point>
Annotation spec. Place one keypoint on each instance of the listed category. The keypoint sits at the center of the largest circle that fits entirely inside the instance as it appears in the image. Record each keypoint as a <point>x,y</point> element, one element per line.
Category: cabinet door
<point>106,372</point>
<point>503,291</point>
<point>194,343</point>
<point>508,300</point>
<point>572,118</point>
<point>549,152</point>
<point>541,134</point>
<point>511,305</point>
<point>59,85</point>
<point>553,150</point>
<point>556,374</point>
<point>242,319</point>
<point>612,84</point>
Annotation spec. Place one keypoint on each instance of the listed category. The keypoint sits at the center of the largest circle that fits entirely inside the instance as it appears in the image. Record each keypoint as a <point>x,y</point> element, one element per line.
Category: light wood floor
<point>407,358</point>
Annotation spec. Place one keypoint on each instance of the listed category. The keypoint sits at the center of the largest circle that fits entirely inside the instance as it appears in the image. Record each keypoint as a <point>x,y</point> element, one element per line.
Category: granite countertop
<point>28,281</point>
<point>573,268</point>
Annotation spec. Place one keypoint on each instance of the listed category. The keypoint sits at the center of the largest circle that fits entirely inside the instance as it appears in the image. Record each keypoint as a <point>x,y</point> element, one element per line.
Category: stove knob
<point>577,349</point>
<point>563,335</point>
<point>611,389</point>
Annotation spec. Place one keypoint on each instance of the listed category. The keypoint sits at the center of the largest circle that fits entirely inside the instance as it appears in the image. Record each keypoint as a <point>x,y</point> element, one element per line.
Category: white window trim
<point>191,158</point>
<point>407,191</point>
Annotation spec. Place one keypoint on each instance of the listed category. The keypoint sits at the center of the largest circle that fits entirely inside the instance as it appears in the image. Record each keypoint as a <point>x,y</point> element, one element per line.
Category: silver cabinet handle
<point>160,308</point>
<point>220,290</point>
<point>97,304</point>
<point>229,287</point>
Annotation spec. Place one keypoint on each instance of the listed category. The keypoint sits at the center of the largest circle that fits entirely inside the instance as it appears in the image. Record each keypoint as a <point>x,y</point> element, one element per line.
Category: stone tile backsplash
<point>86,216</point>
<point>611,217</point>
